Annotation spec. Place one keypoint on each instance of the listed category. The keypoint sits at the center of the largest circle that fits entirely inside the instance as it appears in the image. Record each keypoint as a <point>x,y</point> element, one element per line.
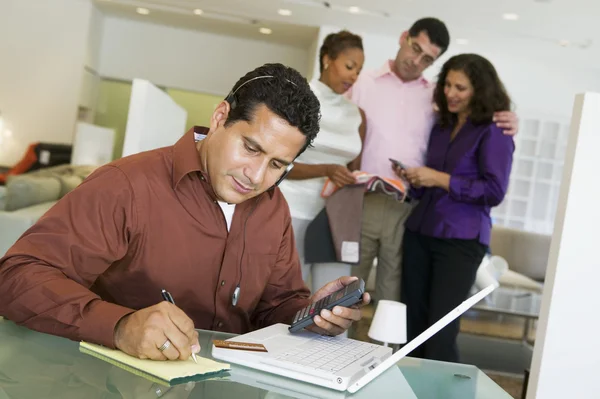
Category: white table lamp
<point>389,323</point>
<point>490,270</point>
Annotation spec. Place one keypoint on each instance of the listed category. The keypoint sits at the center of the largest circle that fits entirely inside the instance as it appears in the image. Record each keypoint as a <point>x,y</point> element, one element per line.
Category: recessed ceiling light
<point>265,31</point>
<point>564,43</point>
<point>462,42</point>
<point>198,11</point>
<point>354,10</point>
<point>510,16</point>
<point>284,12</point>
<point>142,11</point>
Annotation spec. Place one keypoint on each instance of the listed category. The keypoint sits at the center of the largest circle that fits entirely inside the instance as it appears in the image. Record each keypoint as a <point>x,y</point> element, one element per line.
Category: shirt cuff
<point>285,313</point>
<point>100,320</point>
<point>456,187</point>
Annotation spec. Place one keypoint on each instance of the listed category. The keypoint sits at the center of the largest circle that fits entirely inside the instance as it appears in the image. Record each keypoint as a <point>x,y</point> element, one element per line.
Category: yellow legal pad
<point>162,372</point>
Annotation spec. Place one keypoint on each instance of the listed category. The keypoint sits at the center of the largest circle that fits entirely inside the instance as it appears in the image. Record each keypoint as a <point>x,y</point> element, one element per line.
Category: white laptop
<point>390,384</point>
<point>333,362</point>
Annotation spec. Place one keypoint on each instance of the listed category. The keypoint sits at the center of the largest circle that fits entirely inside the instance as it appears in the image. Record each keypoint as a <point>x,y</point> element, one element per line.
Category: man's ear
<point>403,37</point>
<point>219,116</point>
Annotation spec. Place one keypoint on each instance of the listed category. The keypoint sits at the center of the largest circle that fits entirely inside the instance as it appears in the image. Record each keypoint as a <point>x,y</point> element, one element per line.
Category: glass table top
<point>512,301</point>
<point>35,365</point>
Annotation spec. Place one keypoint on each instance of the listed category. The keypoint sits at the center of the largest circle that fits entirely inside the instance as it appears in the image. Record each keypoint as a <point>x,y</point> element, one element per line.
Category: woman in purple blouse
<point>467,169</point>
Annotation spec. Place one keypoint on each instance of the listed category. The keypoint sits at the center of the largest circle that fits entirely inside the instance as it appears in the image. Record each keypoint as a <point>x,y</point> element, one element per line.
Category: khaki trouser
<point>382,231</point>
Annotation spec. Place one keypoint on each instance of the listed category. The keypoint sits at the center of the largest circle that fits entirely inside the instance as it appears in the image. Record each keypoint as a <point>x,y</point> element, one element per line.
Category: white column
<point>43,47</point>
<point>566,359</point>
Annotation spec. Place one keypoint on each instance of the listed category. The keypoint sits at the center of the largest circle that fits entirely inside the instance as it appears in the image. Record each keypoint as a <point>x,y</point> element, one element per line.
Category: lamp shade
<point>389,323</point>
<point>490,271</point>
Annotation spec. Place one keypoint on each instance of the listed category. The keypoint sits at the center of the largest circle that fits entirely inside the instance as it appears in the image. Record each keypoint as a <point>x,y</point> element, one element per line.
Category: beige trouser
<point>382,230</point>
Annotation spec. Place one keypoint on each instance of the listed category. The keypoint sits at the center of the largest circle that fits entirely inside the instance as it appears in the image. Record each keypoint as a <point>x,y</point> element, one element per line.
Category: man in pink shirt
<point>398,105</point>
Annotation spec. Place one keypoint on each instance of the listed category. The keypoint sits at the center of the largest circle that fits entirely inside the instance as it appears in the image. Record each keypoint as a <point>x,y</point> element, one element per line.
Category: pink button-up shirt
<point>399,119</point>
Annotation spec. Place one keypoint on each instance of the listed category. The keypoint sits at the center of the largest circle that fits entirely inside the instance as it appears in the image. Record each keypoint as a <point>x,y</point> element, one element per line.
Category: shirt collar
<point>186,158</point>
<point>386,69</point>
<point>185,155</point>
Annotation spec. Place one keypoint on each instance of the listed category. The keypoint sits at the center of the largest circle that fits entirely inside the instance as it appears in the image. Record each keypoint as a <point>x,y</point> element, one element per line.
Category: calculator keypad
<point>315,308</point>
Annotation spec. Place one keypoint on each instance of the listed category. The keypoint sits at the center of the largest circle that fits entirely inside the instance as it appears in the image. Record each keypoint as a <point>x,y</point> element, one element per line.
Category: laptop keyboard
<point>328,353</point>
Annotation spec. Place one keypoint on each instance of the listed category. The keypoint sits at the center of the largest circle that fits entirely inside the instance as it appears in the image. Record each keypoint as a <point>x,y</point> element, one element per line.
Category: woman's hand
<point>340,175</point>
<point>427,177</point>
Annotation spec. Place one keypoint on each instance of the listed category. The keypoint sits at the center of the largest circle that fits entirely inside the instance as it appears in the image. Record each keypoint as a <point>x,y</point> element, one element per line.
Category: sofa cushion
<point>517,280</point>
<point>23,191</point>
<point>526,252</point>
<point>68,183</point>
<point>2,197</point>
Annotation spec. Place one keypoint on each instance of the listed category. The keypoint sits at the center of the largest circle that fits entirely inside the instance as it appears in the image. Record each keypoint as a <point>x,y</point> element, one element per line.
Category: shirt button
<point>222,282</point>
<point>202,178</point>
<point>220,324</point>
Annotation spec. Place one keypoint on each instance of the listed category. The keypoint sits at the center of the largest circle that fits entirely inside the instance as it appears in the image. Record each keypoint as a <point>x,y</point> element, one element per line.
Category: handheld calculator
<point>347,296</point>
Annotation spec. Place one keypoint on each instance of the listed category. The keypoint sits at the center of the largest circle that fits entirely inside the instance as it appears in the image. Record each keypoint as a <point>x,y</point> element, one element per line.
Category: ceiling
<point>567,28</point>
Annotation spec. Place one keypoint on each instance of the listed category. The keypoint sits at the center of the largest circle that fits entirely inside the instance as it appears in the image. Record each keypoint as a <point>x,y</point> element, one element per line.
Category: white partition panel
<point>154,119</point>
<point>566,359</point>
<point>93,145</point>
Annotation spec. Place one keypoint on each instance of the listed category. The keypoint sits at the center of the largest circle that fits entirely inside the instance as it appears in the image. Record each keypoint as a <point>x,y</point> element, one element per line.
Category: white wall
<point>186,59</point>
<point>543,85</point>
<point>42,50</point>
<point>313,57</point>
<point>90,84</point>
<point>566,357</point>
<point>94,39</point>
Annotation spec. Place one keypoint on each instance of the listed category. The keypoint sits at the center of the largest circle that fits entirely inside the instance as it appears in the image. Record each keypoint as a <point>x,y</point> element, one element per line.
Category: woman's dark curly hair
<point>336,43</point>
<point>489,93</point>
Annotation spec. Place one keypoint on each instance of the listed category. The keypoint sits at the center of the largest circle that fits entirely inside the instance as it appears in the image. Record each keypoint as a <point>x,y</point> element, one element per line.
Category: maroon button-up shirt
<point>143,223</point>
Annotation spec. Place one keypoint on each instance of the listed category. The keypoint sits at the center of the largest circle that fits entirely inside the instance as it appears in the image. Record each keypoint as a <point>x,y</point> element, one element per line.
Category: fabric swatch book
<point>397,188</point>
<point>162,372</point>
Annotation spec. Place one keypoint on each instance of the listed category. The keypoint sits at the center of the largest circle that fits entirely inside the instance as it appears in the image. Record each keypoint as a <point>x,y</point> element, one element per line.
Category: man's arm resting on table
<point>45,277</point>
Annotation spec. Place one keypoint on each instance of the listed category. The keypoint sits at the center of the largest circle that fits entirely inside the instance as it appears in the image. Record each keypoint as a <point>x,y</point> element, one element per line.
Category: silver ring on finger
<point>165,346</point>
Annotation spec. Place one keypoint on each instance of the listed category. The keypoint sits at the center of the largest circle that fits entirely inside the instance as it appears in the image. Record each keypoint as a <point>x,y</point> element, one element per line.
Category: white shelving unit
<point>531,200</point>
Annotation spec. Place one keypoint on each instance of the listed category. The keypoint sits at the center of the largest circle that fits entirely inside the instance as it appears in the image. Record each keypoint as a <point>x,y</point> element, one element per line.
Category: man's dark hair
<point>436,31</point>
<point>335,43</point>
<point>285,93</point>
<point>489,93</point>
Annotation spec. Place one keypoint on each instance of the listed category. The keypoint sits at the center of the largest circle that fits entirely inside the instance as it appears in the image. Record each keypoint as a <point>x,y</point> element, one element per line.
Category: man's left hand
<point>341,318</point>
<point>508,121</point>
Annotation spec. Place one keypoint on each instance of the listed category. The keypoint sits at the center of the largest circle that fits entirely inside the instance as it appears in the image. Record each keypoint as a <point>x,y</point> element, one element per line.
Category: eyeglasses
<point>421,57</point>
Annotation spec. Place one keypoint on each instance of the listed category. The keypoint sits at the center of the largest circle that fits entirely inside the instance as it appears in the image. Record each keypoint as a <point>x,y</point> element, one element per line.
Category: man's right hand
<point>141,333</point>
<point>340,175</point>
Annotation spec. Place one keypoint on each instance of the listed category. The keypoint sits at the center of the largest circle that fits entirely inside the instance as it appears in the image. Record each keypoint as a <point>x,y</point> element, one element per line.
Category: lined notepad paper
<point>163,372</point>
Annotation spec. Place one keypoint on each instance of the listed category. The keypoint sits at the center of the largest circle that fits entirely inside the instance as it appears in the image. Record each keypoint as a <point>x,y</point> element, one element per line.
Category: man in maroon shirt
<point>202,219</point>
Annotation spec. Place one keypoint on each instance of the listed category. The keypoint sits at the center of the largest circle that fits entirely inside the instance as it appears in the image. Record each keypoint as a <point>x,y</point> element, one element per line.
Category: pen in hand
<point>167,297</point>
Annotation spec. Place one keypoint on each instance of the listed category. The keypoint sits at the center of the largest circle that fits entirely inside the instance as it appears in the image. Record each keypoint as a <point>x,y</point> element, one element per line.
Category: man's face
<point>415,55</point>
<point>246,158</point>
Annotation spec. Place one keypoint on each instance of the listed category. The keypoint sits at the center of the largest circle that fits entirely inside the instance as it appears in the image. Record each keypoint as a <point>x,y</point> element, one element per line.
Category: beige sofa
<point>526,252</point>
<point>26,197</point>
